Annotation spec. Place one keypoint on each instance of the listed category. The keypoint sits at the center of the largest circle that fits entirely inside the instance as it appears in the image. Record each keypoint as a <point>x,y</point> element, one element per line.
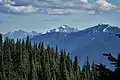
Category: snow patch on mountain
<point>102,28</point>
<point>63,29</point>
<point>105,30</point>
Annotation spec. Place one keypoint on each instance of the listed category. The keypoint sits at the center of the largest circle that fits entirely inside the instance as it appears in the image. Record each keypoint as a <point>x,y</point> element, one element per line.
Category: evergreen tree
<point>86,70</point>
<point>2,68</point>
<point>52,64</point>
<point>32,73</point>
<point>7,58</point>
<point>94,72</point>
<point>28,43</point>
<point>76,69</point>
<point>69,67</point>
<point>1,40</point>
<point>57,62</point>
<point>116,62</point>
<point>47,66</point>
<point>63,71</point>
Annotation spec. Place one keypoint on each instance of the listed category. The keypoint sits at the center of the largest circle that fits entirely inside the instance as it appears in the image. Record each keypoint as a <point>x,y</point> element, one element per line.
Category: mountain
<point>63,29</point>
<point>20,34</point>
<point>92,42</point>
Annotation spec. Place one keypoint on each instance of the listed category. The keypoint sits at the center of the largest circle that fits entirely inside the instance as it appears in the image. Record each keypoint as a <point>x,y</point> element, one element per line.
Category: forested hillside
<point>22,61</point>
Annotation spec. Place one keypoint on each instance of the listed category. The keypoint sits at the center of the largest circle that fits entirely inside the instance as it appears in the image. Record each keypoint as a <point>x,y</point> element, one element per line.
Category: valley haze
<point>92,41</point>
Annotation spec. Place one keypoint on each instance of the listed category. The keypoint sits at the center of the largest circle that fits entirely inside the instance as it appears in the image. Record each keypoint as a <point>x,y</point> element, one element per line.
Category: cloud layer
<point>57,6</point>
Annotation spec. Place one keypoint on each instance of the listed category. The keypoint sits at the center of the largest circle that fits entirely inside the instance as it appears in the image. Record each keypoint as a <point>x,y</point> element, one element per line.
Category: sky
<point>43,15</point>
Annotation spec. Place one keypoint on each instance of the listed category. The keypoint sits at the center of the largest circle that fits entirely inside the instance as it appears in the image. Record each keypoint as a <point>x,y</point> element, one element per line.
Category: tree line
<point>20,60</point>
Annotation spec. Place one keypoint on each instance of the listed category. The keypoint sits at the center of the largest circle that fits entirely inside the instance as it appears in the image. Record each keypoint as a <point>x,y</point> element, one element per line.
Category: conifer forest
<point>22,60</point>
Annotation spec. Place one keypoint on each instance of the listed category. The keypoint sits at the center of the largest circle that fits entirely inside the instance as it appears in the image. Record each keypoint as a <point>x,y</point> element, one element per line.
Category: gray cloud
<point>57,6</point>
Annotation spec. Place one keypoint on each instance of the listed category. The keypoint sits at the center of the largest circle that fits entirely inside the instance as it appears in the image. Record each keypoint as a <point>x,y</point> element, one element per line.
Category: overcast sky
<point>42,15</point>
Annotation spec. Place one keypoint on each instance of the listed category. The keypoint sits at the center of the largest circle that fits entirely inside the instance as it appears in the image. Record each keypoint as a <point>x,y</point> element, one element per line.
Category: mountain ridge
<point>20,34</point>
<point>23,34</point>
<point>92,42</point>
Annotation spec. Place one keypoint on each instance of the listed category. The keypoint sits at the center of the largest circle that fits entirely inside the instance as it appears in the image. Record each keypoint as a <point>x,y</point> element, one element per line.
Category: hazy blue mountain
<point>20,34</point>
<point>23,34</point>
<point>90,42</point>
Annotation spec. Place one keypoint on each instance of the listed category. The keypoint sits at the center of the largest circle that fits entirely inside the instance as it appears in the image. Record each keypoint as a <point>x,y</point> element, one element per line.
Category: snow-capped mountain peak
<point>103,28</point>
<point>63,29</point>
<point>108,28</point>
<point>20,34</point>
<point>64,26</point>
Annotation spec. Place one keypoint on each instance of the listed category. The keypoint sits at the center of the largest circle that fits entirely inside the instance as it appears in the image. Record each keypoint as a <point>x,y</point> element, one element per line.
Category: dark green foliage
<point>104,73</point>
<point>0,40</point>
<point>86,70</point>
<point>20,60</point>
<point>2,67</point>
<point>69,67</point>
<point>63,70</point>
<point>116,62</point>
<point>76,69</point>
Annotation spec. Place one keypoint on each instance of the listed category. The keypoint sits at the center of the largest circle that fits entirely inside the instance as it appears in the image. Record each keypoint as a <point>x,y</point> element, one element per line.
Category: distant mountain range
<point>20,34</point>
<point>91,42</point>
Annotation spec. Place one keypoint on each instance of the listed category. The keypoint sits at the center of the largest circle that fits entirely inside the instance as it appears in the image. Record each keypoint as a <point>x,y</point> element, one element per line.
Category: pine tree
<point>76,69</point>
<point>32,73</point>
<point>69,67</point>
<point>1,41</point>
<point>39,66</point>
<point>28,43</point>
<point>24,63</point>
<point>57,62</point>
<point>7,58</point>
<point>63,71</point>
<point>94,72</point>
<point>86,70</point>
<point>116,62</point>
<point>52,64</point>
<point>47,66</point>
<point>2,68</point>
